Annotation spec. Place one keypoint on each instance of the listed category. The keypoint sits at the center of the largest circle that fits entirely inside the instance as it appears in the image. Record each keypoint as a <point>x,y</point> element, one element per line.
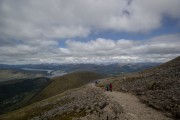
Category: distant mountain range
<point>109,69</point>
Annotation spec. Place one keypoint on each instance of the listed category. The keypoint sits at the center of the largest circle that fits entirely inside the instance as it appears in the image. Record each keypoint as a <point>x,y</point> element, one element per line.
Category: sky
<point>89,31</point>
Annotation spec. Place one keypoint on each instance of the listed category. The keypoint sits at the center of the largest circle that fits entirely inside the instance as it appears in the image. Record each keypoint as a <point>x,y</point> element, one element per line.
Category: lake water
<point>51,72</point>
<point>29,69</point>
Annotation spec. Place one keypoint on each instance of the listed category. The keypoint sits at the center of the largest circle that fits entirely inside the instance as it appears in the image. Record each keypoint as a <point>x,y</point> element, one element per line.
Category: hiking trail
<point>133,109</point>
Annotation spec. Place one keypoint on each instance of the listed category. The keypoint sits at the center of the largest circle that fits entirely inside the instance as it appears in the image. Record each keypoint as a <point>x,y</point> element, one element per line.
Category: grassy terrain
<point>66,82</point>
<point>42,106</point>
<point>17,93</point>
<point>13,74</point>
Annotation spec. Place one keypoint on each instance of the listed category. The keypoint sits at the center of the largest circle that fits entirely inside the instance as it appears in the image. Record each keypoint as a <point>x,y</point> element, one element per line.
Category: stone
<point>78,110</point>
<point>102,104</point>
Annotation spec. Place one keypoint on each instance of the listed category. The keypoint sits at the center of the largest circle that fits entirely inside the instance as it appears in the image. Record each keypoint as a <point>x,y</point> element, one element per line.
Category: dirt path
<point>134,109</point>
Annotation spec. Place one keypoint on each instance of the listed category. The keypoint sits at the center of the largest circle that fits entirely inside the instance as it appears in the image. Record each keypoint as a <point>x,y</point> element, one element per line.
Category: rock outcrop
<point>86,103</point>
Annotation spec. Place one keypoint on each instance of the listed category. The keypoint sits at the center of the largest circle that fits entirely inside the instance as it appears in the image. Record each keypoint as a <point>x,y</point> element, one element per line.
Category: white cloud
<point>77,18</point>
<point>167,44</point>
<point>30,30</point>
<point>157,49</point>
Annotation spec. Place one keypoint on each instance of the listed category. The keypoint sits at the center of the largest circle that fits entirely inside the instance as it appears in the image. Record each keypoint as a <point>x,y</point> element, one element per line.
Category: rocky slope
<point>158,87</point>
<point>133,109</point>
<point>84,103</point>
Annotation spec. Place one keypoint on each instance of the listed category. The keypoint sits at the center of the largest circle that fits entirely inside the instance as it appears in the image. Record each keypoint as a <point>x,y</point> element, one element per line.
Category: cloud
<point>157,49</point>
<point>46,19</point>
<point>30,31</point>
<point>100,50</point>
<point>166,44</point>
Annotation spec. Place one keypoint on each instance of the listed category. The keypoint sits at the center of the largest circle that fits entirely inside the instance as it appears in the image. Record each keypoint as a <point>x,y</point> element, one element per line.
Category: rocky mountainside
<point>158,87</point>
<point>85,103</point>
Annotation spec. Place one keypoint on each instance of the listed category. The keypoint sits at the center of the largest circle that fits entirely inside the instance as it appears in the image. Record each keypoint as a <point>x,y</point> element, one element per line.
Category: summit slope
<point>158,87</point>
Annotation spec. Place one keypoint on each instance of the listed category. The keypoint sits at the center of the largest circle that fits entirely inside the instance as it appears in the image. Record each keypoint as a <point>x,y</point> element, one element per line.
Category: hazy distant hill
<point>66,82</point>
<point>11,74</point>
<point>159,87</point>
<point>108,69</point>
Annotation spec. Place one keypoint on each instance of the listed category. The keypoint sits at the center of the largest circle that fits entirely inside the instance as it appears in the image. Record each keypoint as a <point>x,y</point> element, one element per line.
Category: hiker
<point>107,87</point>
<point>96,82</point>
<point>110,87</point>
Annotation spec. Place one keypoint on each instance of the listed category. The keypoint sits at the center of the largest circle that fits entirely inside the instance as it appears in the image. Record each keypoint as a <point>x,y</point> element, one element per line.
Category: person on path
<point>110,87</point>
<point>96,82</point>
<point>107,87</point>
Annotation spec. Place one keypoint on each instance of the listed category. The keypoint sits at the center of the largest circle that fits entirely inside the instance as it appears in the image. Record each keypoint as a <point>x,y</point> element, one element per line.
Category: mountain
<point>17,93</point>
<point>85,100</point>
<point>66,82</point>
<point>12,74</point>
<point>158,87</point>
<point>69,105</point>
<point>108,69</point>
<point>22,85</point>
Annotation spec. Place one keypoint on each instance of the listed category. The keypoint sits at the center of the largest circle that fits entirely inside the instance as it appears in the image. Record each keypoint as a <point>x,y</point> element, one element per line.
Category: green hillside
<point>8,74</point>
<point>66,82</point>
<point>17,93</point>
<point>41,107</point>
